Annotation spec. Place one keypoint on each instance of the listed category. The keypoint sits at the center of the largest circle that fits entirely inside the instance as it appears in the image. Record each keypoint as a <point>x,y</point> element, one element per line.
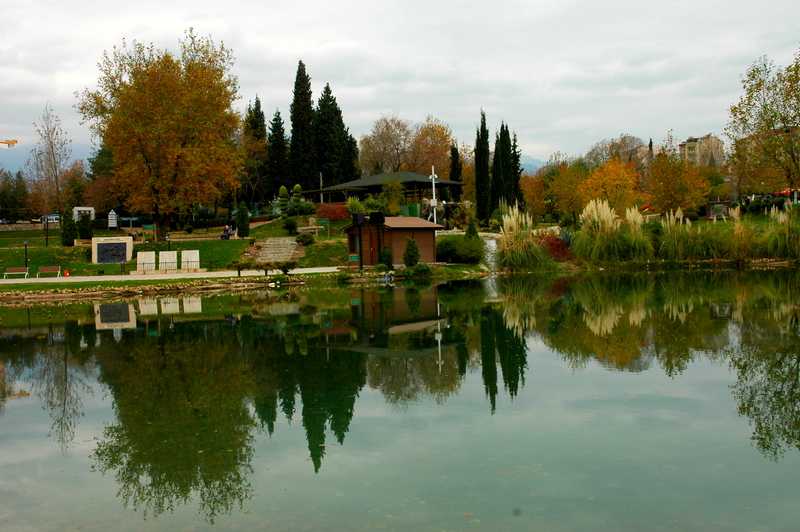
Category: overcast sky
<point>563,74</point>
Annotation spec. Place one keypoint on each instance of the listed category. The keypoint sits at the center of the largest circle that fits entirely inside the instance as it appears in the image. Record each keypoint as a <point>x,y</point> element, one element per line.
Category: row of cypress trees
<point>499,181</point>
<point>320,149</point>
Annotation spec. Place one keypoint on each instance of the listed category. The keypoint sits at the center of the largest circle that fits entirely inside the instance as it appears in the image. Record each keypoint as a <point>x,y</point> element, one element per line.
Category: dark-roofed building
<point>393,233</point>
<point>417,186</point>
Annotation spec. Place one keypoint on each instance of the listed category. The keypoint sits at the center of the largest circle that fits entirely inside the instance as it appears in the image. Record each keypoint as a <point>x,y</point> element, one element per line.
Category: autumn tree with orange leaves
<point>616,182</point>
<point>169,121</point>
<point>676,184</point>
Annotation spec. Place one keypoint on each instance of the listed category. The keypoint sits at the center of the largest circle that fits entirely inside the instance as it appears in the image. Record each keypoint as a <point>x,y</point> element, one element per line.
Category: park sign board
<point>112,249</point>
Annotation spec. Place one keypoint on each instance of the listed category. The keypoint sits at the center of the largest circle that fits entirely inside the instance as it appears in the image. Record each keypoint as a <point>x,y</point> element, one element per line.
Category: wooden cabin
<point>393,232</point>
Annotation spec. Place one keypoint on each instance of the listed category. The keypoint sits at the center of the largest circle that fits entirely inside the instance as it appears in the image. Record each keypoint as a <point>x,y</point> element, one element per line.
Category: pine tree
<point>336,160</point>
<point>302,159</point>
<point>482,197</point>
<point>276,155</point>
<point>254,140</point>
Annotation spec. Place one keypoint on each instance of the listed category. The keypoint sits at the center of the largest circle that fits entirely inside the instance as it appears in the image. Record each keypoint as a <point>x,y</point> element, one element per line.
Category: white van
<point>51,218</point>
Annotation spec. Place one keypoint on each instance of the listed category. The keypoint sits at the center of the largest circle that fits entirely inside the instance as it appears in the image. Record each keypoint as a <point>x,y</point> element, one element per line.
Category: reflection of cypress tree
<point>463,358</point>
<point>286,391</point>
<point>266,408</point>
<point>328,389</point>
<point>489,356</point>
<point>513,359</point>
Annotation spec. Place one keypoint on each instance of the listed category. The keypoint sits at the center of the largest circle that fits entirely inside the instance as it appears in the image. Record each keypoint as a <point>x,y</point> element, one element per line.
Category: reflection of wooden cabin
<point>369,313</point>
<point>413,317</point>
<point>393,233</point>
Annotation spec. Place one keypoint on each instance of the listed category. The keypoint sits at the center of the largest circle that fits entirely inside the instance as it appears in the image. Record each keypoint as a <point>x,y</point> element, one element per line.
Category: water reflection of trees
<point>182,426</point>
<point>190,394</point>
<point>767,363</point>
<point>52,360</point>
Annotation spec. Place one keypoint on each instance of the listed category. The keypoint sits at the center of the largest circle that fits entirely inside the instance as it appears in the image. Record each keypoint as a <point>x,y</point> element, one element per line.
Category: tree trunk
<point>160,227</point>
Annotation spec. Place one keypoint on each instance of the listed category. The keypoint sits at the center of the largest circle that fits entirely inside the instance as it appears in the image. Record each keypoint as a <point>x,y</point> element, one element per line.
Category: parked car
<point>36,220</point>
<point>52,218</point>
<point>4,221</point>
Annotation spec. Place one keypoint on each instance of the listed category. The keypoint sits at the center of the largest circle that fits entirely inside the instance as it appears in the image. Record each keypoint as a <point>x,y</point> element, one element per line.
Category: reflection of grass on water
<point>522,295</point>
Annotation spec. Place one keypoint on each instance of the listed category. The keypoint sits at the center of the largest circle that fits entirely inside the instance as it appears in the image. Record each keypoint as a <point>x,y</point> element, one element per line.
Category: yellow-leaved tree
<point>616,182</point>
<point>169,123</point>
<point>675,184</point>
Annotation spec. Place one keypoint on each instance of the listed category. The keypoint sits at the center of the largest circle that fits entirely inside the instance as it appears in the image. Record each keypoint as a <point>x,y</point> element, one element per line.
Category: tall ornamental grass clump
<point>600,237</point>
<point>743,239</point>
<point>517,248</point>
<point>638,245</point>
<point>681,240</point>
<point>782,240</point>
<point>675,236</point>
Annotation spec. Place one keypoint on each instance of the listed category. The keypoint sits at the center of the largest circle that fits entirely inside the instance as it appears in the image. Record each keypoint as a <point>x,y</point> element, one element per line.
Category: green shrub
<point>381,268</point>
<point>297,193</point>
<point>189,229</point>
<point>469,250</point>
<point>373,204</point>
<point>420,270</point>
<point>386,257</point>
<point>472,228</point>
<point>290,225</point>
<point>69,229</point>
<point>446,248</point>
<point>411,253</point>
<point>354,205</point>
<point>566,220</point>
<point>286,266</point>
<point>243,221</point>
<point>283,199</point>
<point>85,230</point>
<point>307,208</point>
<point>305,239</point>
<point>343,276</point>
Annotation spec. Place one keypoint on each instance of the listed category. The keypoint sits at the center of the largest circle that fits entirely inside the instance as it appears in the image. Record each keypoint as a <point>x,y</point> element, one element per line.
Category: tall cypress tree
<point>456,170</point>
<point>482,196</point>
<point>334,144</point>
<point>516,167</point>
<point>302,159</point>
<point>276,156</point>
<point>501,168</point>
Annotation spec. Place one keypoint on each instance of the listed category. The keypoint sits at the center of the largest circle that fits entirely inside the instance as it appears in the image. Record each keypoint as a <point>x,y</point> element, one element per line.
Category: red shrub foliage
<point>558,249</point>
<point>334,212</point>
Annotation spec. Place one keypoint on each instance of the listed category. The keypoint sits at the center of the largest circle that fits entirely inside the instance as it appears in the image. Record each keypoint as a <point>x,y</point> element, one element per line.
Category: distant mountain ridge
<point>529,164</point>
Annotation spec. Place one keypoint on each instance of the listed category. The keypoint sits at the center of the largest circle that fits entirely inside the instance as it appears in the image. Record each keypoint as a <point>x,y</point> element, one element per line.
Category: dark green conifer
<point>302,156</point>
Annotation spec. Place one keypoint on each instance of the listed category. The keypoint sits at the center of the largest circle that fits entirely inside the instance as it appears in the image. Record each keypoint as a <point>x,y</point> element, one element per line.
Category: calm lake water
<point>601,402</point>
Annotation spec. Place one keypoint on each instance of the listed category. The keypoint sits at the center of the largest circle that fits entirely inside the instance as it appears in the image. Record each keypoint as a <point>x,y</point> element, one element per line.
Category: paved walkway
<point>157,276</point>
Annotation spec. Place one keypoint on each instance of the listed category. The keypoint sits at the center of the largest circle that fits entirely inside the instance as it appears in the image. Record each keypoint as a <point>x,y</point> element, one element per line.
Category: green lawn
<point>214,254</point>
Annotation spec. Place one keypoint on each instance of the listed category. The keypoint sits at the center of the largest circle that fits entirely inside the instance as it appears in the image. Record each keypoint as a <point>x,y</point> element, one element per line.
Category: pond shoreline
<point>122,290</point>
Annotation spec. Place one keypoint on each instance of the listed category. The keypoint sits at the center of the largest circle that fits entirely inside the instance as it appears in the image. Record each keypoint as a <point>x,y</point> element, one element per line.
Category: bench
<point>15,271</point>
<point>49,269</point>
